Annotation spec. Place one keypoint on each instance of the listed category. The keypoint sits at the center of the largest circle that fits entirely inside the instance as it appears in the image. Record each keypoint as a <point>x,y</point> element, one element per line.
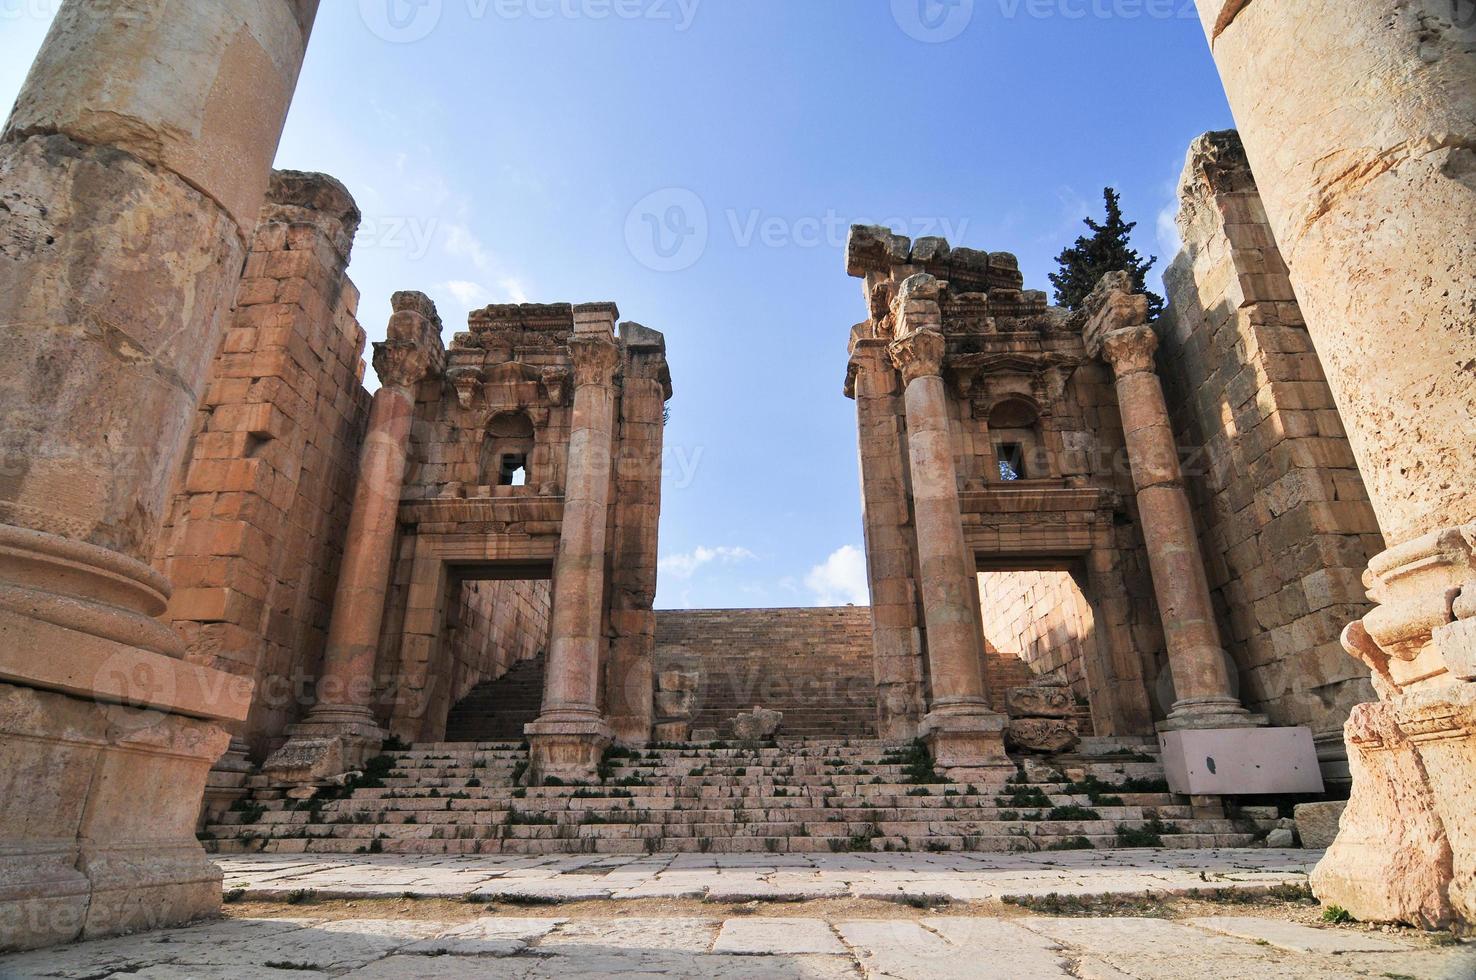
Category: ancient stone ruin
<point>246,605</point>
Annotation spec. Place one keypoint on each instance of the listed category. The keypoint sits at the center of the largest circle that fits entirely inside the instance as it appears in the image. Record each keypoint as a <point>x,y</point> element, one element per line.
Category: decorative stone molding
<point>556,383</point>
<point>1047,735</point>
<point>467,381</point>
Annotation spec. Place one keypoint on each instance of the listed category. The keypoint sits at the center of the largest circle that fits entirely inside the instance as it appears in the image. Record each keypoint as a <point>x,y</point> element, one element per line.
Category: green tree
<point>1106,250</point>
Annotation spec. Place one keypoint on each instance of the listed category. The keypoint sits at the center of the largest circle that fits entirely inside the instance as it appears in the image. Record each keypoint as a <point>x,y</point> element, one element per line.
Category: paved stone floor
<point>930,948</point>
<point>344,932</point>
<point>961,877</point>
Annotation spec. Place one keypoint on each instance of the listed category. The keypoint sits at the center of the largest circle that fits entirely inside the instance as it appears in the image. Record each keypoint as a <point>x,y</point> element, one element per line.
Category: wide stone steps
<point>796,796</point>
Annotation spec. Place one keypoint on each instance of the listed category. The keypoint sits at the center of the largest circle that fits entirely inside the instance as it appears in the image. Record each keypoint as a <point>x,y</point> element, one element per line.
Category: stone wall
<point>815,665</point>
<point>1040,618</point>
<point>255,527</point>
<point>1284,518</point>
<point>495,625</point>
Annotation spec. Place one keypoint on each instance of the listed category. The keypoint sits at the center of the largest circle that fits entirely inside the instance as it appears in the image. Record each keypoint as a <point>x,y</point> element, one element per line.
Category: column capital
<point>412,349</point>
<point>919,355</point>
<point>1130,350</point>
<point>596,357</point>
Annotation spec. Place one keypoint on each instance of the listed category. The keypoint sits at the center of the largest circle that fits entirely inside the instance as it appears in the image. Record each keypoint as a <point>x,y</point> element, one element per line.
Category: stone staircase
<point>496,711</point>
<point>817,795</point>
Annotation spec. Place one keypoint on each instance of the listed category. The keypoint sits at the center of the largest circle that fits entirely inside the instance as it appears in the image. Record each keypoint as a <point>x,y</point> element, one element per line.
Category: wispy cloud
<point>684,566</point>
<point>840,580</point>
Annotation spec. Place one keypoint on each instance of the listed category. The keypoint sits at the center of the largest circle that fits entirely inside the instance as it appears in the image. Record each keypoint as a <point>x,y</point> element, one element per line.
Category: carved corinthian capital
<point>1130,350</point>
<point>919,355</point>
<point>595,359</point>
<point>412,349</point>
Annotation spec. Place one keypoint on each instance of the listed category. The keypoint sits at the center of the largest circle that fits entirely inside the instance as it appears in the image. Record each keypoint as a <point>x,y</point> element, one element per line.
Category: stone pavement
<point>933,948</point>
<point>961,877</point>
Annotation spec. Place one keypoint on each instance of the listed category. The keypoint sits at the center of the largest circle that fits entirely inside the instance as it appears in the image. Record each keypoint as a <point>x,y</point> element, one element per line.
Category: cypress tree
<point>1106,250</point>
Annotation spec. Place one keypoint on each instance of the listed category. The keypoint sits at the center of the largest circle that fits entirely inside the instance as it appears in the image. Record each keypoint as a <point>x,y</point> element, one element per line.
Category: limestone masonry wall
<point>495,625</point>
<point>255,527</point>
<point>1040,618</point>
<point>815,665</point>
<point>1285,521</point>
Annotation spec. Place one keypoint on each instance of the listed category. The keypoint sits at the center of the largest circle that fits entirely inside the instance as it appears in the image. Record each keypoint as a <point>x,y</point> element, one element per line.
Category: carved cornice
<point>919,355</point>
<point>467,381</point>
<point>1130,350</point>
<point>596,358</point>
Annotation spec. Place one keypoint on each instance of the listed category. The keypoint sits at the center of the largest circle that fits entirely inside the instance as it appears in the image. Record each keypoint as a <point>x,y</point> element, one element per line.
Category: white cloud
<point>685,566</point>
<point>841,579</point>
<point>468,294</point>
<point>514,289</point>
<point>462,243</point>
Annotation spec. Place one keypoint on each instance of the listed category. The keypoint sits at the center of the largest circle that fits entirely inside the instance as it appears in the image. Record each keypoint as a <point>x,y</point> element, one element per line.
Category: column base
<point>967,743</point>
<point>1192,714</point>
<point>106,862</point>
<point>567,749</point>
<point>325,746</point>
<point>1406,844</point>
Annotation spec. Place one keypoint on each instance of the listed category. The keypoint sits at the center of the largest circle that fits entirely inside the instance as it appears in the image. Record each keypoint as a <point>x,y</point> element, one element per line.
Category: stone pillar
<point>133,166</point>
<point>896,639</point>
<point>570,734</point>
<point>630,681</point>
<point>341,729</point>
<point>965,735</point>
<point>1362,150</point>
<point>1204,689</point>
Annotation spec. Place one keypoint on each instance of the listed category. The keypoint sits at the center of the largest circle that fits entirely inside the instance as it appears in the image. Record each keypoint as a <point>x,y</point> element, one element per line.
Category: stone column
<point>133,165</point>
<point>896,639</point>
<point>1204,689</point>
<point>630,679</point>
<point>341,729</point>
<point>965,735</point>
<point>570,734</point>
<point>1362,150</point>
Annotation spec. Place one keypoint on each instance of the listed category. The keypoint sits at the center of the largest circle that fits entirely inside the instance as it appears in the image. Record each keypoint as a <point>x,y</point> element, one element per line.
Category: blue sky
<point>698,162</point>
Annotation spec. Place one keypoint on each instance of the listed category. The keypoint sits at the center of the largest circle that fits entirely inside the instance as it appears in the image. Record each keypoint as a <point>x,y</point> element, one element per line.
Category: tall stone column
<point>133,165</point>
<point>341,729</point>
<point>571,733</point>
<point>965,735</point>
<point>1362,150</point>
<point>895,636</point>
<point>1204,690</point>
<point>630,679</point>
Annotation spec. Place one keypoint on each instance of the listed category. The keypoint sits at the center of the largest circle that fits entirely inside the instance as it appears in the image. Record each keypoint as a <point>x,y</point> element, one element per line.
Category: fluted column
<point>133,167</point>
<point>965,735</point>
<point>1204,689</point>
<point>570,733</point>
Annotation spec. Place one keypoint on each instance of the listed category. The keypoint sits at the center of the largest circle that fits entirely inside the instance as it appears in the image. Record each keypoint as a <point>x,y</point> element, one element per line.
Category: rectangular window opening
<point>514,471</point>
<point>1011,461</point>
